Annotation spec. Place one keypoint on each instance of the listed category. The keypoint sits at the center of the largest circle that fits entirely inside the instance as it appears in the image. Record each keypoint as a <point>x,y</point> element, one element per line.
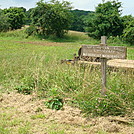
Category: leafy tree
<point>78,19</point>
<point>4,24</point>
<point>106,21</point>
<point>128,33</point>
<point>16,17</point>
<point>126,20</point>
<point>52,18</point>
<point>28,16</point>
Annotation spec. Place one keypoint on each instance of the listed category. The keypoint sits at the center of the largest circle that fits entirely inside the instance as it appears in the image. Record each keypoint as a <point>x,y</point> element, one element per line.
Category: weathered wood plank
<point>109,52</point>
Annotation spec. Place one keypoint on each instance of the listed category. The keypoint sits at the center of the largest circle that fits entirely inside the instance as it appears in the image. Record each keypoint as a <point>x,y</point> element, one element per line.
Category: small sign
<point>109,52</point>
<point>104,52</point>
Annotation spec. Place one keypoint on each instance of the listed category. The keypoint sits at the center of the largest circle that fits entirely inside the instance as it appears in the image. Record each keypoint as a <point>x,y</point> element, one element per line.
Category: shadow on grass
<point>71,36</point>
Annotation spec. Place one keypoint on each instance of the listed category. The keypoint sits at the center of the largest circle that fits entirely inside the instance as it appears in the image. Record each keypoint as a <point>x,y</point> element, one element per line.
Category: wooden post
<point>103,67</point>
<point>103,71</point>
<point>104,52</point>
<point>103,40</point>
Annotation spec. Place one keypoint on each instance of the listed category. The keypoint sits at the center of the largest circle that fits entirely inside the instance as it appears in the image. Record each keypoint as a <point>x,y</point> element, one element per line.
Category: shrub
<point>31,30</point>
<point>4,24</point>
<point>16,17</point>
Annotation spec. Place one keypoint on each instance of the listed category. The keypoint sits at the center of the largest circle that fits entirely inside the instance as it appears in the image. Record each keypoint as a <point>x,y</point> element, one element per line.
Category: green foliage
<point>128,33</point>
<point>16,17</point>
<point>52,18</point>
<point>106,20</point>
<point>55,103</point>
<point>126,20</point>
<point>31,30</point>
<point>24,89</point>
<point>28,16</point>
<point>78,20</point>
<point>78,24</point>
<point>4,24</point>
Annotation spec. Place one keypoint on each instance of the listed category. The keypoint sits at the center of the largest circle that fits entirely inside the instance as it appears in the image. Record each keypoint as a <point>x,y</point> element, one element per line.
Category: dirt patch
<point>28,105</point>
<point>42,43</point>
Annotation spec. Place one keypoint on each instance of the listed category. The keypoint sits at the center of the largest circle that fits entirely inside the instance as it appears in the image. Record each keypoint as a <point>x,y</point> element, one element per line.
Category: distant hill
<point>80,12</point>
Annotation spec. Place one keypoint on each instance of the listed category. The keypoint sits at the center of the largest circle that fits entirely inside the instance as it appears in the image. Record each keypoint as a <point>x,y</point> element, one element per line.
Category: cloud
<point>128,5</point>
<point>18,3</point>
<point>86,4</point>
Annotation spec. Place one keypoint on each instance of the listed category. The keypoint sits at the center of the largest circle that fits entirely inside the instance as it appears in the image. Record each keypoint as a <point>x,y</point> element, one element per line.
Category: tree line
<point>56,18</point>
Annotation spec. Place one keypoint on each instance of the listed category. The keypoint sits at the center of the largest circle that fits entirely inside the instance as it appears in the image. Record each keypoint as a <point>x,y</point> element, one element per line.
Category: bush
<point>16,17</point>
<point>31,30</point>
<point>4,24</point>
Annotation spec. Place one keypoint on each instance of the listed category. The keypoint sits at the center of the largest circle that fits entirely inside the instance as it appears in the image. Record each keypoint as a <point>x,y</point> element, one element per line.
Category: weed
<point>24,89</point>
<point>54,103</point>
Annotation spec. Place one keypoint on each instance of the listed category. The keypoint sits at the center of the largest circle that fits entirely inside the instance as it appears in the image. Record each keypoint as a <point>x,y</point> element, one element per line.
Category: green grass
<point>38,116</point>
<point>130,53</point>
<point>38,68</point>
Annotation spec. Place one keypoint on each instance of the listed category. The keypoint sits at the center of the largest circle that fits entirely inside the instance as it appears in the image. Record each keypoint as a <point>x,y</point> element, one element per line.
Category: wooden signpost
<point>104,52</point>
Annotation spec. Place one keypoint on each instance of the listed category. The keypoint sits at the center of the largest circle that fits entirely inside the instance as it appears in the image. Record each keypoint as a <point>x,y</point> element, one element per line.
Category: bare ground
<point>32,112</point>
<point>42,43</point>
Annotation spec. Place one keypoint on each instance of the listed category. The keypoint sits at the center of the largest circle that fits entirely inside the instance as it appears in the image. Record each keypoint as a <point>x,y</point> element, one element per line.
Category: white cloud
<point>128,5</point>
<point>86,4</point>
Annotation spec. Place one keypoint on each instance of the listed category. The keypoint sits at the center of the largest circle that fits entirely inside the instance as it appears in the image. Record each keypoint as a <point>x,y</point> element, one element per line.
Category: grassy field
<point>32,66</point>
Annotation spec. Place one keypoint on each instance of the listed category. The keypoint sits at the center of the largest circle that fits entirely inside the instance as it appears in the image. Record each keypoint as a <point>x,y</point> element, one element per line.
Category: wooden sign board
<point>109,52</point>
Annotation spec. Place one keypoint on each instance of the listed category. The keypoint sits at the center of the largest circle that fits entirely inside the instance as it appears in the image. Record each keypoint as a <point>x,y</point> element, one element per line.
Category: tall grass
<point>38,69</point>
<point>79,82</point>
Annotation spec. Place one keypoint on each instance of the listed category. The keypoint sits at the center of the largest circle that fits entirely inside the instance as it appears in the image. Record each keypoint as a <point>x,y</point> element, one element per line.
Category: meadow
<point>33,66</point>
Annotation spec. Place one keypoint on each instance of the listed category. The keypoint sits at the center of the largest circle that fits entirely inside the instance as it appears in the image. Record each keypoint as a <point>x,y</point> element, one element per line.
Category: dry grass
<point>20,114</point>
<point>35,64</point>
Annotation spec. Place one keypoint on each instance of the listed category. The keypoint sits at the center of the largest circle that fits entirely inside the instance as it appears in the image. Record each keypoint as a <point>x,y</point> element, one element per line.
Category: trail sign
<point>104,52</point>
<point>109,52</point>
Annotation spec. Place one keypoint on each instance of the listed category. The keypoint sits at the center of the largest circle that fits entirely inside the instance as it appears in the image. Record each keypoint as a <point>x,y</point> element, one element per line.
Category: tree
<point>78,19</point>
<point>16,17</point>
<point>106,21</point>
<point>128,33</point>
<point>4,24</point>
<point>52,18</point>
<point>28,16</point>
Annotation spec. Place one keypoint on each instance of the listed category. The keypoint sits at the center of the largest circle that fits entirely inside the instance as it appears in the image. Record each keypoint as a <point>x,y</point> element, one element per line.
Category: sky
<point>88,5</point>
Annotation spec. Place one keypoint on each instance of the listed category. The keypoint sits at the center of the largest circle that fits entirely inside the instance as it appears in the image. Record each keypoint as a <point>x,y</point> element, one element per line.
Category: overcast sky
<point>128,5</point>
